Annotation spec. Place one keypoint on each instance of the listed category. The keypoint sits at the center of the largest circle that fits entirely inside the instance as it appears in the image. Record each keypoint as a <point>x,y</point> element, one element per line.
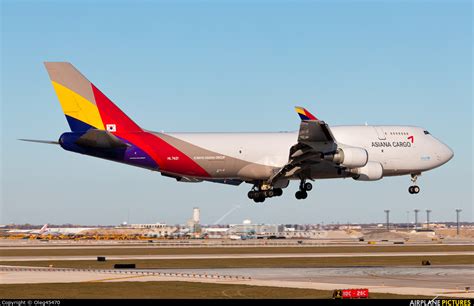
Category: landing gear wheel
<point>269,193</point>
<point>261,191</point>
<point>251,194</point>
<point>415,189</point>
<point>304,195</point>
<point>259,197</point>
<point>278,192</point>
<point>301,195</point>
<point>308,186</point>
<point>298,195</point>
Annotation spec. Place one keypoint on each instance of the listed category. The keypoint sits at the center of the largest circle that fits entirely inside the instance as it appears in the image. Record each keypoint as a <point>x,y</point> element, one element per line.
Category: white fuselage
<point>399,149</point>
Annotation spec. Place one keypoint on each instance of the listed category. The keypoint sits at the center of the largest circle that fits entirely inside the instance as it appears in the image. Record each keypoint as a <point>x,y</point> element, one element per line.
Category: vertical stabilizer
<point>84,105</point>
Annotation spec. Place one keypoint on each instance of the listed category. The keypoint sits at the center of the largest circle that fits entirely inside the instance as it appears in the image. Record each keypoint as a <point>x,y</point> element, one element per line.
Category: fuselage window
<point>426,132</point>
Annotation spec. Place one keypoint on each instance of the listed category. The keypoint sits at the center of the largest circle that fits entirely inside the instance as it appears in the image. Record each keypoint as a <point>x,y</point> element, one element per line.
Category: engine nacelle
<point>351,157</point>
<point>373,171</point>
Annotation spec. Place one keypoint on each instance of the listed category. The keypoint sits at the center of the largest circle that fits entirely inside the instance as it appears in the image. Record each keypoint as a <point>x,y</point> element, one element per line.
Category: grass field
<point>231,250</point>
<point>147,290</point>
<point>296,262</point>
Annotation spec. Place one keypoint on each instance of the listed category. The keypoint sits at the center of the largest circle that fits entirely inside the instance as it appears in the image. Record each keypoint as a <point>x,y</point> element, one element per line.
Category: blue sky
<point>233,66</point>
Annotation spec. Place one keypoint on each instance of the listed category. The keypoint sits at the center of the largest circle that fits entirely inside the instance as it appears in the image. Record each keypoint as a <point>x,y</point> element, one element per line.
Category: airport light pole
<point>408,219</point>
<point>428,218</point>
<point>458,211</point>
<point>416,218</point>
<point>387,211</point>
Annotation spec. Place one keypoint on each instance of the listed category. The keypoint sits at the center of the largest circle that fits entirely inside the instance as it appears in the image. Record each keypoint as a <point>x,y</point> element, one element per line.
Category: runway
<point>441,277</point>
<point>448,281</point>
<point>382,268</point>
<point>234,256</point>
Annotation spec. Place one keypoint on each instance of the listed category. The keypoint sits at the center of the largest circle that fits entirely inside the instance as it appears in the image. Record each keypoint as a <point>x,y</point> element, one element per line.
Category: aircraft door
<point>380,133</point>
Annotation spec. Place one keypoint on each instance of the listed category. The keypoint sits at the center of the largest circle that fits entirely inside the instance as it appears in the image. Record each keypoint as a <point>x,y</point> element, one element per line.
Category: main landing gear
<point>414,189</point>
<point>260,192</point>
<point>303,192</point>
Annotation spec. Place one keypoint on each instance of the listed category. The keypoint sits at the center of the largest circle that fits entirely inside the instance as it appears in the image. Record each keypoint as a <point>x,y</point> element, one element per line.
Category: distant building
<point>196,215</point>
<point>215,232</point>
<point>253,229</point>
<point>433,225</point>
<point>350,227</point>
<point>194,223</point>
<point>144,226</point>
<point>162,232</point>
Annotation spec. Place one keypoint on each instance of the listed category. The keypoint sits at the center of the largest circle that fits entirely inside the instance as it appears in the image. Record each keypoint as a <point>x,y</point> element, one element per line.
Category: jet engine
<point>351,157</point>
<point>372,171</point>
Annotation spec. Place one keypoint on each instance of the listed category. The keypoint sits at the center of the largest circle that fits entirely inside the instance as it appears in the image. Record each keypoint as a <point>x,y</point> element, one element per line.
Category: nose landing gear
<point>414,189</point>
<point>303,192</point>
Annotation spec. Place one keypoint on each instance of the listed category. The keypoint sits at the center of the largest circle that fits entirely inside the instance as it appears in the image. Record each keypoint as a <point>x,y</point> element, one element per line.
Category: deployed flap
<point>100,139</point>
<point>233,182</point>
<point>180,178</point>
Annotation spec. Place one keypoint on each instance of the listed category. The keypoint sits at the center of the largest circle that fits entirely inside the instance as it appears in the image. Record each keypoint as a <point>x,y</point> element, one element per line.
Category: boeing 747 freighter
<point>267,161</point>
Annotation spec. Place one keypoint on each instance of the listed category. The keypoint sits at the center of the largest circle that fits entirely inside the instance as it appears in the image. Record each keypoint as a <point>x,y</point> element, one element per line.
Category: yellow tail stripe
<point>76,106</point>
<point>300,110</point>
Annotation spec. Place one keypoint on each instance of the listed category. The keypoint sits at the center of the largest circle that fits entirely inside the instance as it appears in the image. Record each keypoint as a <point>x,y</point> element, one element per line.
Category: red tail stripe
<point>111,114</point>
<point>166,156</point>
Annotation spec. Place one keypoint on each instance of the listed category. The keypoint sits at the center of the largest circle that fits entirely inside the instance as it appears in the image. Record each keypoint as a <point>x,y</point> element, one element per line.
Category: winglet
<point>304,114</point>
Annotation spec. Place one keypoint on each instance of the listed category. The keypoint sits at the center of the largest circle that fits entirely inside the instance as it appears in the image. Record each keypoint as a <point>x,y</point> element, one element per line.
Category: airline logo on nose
<point>111,128</point>
<point>411,138</point>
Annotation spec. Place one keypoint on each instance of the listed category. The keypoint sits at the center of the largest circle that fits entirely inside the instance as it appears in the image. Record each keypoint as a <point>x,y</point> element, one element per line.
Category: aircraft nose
<point>445,154</point>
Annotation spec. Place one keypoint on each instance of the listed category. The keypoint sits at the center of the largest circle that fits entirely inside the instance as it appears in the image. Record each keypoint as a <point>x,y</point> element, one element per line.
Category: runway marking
<point>113,278</point>
<point>240,256</point>
<point>225,294</point>
<point>237,292</point>
<point>394,277</point>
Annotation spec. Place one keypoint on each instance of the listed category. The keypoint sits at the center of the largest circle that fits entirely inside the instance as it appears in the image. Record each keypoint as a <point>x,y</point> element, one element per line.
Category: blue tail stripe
<point>77,125</point>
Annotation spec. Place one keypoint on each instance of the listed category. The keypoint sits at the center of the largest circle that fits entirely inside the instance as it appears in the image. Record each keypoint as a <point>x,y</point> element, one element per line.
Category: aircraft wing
<point>315,141</point>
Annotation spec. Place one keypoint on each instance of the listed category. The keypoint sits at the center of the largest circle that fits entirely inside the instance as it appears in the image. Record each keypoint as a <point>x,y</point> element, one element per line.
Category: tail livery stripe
<point>165,155</point>
<point>304,113</point>
<point>77,107</point>
<point>86,107</point>
<point>75,95</point>
<point>113,118</point>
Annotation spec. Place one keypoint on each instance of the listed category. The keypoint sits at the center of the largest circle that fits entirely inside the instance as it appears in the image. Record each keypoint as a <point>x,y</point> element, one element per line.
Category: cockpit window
<point>426,132</point>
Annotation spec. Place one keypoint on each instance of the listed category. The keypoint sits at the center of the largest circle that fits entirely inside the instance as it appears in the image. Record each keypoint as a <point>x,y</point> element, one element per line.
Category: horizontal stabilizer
<point>41,141</point>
